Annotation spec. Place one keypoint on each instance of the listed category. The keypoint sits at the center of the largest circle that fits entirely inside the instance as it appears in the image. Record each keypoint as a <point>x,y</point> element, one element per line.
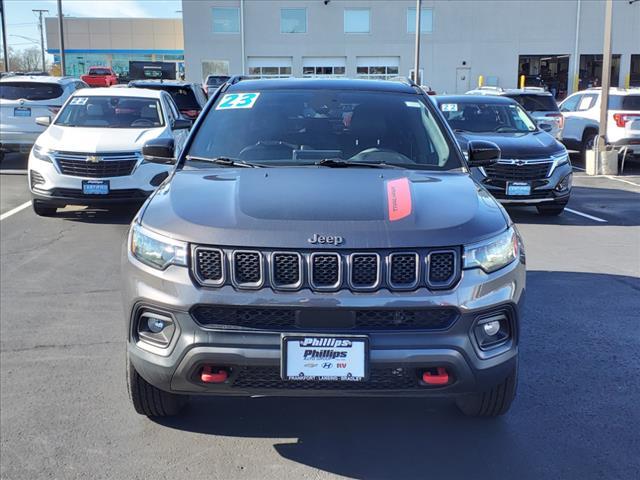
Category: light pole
<point>606,81</point>
<point>416,67</point>
<point>63,70</point>
<point>40,12</point>
<point>5,48</point>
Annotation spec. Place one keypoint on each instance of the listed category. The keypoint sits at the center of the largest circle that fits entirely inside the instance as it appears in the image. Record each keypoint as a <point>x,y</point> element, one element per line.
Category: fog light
<point>156,325</point>
<point>565,183</point>
<point>491,328</point>
<point>155,328</point>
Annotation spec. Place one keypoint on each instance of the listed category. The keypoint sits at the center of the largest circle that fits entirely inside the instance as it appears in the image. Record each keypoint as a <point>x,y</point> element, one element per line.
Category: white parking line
<point>13,211</point>
<point>622,180</point>
<point>585,215</point>
<point>579,168</point>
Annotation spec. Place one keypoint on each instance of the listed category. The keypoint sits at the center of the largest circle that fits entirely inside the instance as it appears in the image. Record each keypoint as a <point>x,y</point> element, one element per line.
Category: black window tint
<point>536,103</point>
<point>183,96</point>
<point>624,102</point>
<point>29,90</point>
<point>99,71</point>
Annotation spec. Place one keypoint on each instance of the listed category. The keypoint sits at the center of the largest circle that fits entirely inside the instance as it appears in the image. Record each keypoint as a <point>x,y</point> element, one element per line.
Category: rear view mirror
<point>160,150</point>
<point>483,153</point>
<point>43,121</point>
<point>181,124</point>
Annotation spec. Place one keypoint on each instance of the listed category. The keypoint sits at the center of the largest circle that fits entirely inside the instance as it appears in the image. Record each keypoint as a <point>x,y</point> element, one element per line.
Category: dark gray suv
<point>324,238</point>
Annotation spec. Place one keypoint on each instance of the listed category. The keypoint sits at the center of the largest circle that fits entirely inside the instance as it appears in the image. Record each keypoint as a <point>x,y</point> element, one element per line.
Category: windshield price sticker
<point>412,104</point>
<point>237,100</point>
<point>449,107</point>
<point>79,101</point>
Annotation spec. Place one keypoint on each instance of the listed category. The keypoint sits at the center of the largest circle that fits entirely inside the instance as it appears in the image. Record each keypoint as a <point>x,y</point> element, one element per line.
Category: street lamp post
<point>416,67</point>
<point>63,70</point>
<point>40,12</point>
<point>5,48</point>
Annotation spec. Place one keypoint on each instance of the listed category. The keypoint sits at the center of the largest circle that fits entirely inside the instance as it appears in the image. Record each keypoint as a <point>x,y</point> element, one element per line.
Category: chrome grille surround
<point>110,164</point>
<point>312,271</point>
<point>244,256</point>
<point>390,271</point>
<point>274,265</point>
<point>196,251</point>
<point>353,258</point>
<point>455,269</point>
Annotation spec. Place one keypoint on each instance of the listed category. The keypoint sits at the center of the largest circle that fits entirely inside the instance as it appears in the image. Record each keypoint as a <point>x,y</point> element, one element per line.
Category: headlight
<point>559,160</point>
<point>156,250</point>
<point>494,253</point>
<point>42,153</point>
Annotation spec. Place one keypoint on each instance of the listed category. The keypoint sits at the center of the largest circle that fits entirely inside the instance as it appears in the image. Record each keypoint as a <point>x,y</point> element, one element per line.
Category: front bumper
<point>254,356</point>
<point>542,191</point>
<point>59,190</point>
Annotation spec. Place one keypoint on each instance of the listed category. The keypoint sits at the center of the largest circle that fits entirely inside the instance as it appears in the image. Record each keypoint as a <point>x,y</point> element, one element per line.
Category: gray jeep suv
<point>325,238</point>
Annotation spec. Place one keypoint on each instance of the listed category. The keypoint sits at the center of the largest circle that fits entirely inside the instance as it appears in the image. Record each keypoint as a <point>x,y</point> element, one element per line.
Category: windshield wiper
<point>225,161</point>
<point>338,163</point>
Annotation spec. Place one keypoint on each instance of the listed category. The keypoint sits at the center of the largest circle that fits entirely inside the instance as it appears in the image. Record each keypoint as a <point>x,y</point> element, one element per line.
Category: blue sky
<point>22,22</point>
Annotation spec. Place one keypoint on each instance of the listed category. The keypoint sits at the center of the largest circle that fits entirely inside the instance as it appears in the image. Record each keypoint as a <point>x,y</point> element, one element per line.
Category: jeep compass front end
<point>322,238</point>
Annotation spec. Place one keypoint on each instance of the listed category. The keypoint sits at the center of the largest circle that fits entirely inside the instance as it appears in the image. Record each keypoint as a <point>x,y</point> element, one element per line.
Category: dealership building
<point>557,43</point>
<point>114,42</point>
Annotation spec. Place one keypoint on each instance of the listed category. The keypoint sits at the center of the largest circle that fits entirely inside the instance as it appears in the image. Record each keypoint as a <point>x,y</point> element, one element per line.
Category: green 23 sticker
<point>237,100</point>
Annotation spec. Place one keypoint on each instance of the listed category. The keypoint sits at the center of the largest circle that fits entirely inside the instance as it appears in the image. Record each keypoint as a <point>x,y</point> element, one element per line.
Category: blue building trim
<point>54,51</point>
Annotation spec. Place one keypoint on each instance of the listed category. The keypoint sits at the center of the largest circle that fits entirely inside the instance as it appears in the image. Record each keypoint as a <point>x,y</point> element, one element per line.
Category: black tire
<point>149,400</point>
<point>550,210</point>
<point>588,143</point>
<point>43,210</point>
<point>491,403</point>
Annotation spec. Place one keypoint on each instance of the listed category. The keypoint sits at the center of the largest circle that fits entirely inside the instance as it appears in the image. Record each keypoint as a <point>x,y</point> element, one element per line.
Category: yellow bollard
<point>522,78</point>
<point>480,81</point>
<point>627,81</point>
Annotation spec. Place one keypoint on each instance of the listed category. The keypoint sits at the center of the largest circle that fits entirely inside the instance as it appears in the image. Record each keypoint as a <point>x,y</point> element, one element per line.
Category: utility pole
<point>63,70</point>
<point>41,27</point>
<point>606,79</point>
<point>416,67</point>
<point>5,47</point>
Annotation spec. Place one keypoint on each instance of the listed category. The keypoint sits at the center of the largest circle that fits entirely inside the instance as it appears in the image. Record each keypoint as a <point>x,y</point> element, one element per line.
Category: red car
<point>100,77</point>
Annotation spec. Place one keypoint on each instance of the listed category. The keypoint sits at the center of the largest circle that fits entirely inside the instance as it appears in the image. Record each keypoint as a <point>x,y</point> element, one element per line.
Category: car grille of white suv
<point>96,165</point>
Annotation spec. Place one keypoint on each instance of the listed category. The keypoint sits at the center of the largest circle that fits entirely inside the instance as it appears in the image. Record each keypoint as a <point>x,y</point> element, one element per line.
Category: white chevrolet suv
<point>581,113</point>
<point>91,153</point>
<point>23,99</point>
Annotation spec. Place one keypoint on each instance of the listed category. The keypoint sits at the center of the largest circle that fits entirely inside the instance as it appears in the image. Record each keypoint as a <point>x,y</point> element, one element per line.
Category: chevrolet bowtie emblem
<point>94,159</point>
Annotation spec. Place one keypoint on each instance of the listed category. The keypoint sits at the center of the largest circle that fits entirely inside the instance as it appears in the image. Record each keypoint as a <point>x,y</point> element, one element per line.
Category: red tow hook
<point>210,376</point>
<point>441,377</point>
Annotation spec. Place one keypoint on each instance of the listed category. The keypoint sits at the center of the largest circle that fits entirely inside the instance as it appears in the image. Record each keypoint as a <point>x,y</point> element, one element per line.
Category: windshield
<point>29,90</point>
<point>624,102</point>
<point>184,97</point>
<point>111,112</point>
<point>478,117</point>
<point>216,81</point>
<point>99,71</point>
<point>302,127</point>
<point>536,103</point>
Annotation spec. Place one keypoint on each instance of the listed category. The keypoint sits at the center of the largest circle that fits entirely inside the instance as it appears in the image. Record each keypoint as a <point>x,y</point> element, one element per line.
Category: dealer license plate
<point>518,188</point>
<point>95,187</point>
<point>21,112</point>
<point>324,358</point>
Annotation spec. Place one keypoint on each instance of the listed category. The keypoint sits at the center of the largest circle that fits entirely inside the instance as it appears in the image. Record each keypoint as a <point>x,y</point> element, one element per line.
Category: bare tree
<point>26,60</point>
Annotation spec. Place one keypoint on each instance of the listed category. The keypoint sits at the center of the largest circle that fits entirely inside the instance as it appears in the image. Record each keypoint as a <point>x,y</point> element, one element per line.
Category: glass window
<point>30,90</point>
<point>184,97</point>
<point>270,72</point>
<point>226,20</point>
<point>480,117</point>
<point>311,72</point>
<point>426,20</point>
<point>570,104</point>
<point>301,127</point>
<point>586,102</point>
<point>377,72</point>
<point>536,103</point>
<point>624,102</point>
<point>356,20</point>
<point>113,112</point>
<point>293,20</point>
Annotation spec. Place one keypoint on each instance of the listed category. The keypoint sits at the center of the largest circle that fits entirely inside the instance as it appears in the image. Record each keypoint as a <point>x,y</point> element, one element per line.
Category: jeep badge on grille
<point>325,239</point>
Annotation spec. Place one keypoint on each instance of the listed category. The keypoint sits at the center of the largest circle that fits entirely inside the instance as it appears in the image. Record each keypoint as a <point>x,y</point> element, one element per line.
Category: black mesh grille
<point>286,269</point>
<point>325,270</point>
<point>245,317</point>
<point>110,168</point>
<point>287,319</point>
<point>247,267</point>
<point>364,270</point>
<point>379,379</point>
<point>209,265</point>
<point>403,269</point>
<point>441,267</point>
<point>128,193</point>
<point>505,171</point>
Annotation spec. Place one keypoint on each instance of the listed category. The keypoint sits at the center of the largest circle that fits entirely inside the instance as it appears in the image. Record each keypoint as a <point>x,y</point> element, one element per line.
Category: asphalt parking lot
<point>65,412</point>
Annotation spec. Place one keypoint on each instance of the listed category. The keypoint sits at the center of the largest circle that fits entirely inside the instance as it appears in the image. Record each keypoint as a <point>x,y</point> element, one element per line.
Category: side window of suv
<point>571,103</point>
<point>170,107</point>
<point>587,101</point>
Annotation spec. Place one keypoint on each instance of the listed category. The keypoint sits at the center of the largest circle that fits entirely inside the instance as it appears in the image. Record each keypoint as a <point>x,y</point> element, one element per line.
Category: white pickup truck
<point>581,113</point>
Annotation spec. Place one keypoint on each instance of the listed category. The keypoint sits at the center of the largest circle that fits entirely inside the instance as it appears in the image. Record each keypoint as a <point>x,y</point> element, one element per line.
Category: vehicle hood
<point>96,140</point>
<point>284,207</point>
<point>516,145</point>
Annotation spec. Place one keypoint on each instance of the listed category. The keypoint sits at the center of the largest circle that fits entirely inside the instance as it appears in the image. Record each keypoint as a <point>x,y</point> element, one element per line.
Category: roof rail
<point>490,87</point>
<point>402,79</point>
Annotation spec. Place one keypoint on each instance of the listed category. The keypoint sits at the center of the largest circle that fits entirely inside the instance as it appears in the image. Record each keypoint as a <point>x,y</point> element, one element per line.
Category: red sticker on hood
<point>399,198</point>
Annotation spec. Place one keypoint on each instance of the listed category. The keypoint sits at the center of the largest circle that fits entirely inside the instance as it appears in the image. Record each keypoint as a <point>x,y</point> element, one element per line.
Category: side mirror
<point>160,150</point>
<point>546,127</point>
<point>483,153</point>
<point>181,124</point>
<point>43,121</point>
